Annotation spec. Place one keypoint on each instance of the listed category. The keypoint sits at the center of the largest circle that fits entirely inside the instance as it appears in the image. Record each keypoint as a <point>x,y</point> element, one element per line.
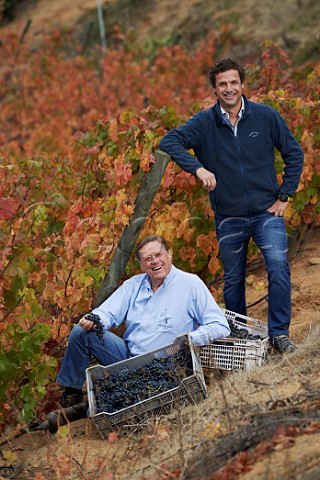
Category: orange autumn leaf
<point>123,171</point>
<point>214,265</point>
<point>207,243</point>
<point>145,160</point>
<point>113,130</point>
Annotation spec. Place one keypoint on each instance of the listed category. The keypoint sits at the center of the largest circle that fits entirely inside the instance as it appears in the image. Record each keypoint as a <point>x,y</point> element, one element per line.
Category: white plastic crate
<point>232,353</point>
<point>252,325</point>
<point>192,389</point>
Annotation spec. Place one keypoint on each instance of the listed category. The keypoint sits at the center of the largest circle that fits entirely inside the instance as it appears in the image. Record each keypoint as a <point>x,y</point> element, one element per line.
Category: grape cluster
<point>99,330</point>
<point>238,332</point>
<point>128,387</point>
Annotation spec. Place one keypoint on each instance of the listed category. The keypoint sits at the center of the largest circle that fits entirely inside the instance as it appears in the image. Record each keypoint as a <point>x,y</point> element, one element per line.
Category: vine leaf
<point>8,208</point>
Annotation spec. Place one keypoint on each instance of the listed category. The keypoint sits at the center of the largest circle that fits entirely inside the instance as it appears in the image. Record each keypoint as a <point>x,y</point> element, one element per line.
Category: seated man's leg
<point>81,346</point>
<point>233,237</point>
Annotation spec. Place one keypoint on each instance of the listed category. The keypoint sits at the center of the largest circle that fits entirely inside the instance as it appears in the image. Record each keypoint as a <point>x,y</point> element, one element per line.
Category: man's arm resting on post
<point>179,140</point>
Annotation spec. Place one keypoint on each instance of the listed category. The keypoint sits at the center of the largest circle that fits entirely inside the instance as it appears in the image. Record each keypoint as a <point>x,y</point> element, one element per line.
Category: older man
<point>157,306</point>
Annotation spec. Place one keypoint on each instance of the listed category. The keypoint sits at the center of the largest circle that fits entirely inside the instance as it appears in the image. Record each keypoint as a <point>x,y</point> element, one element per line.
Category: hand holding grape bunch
<point>91,321</point>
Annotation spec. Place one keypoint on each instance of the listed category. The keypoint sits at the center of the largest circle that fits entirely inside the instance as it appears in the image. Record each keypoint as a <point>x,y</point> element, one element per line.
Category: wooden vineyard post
<point>148,188</point>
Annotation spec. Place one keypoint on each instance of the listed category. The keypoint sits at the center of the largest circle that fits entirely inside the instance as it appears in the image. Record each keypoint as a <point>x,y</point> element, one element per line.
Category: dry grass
<point>180,438</point>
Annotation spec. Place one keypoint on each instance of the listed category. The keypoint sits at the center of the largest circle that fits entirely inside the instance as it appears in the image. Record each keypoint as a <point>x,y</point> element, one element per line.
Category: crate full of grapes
<point>246,347</point>
<point>127,394</point>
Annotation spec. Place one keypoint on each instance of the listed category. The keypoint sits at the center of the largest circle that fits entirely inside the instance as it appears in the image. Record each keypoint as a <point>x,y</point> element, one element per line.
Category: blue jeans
<point>82,345</point>
<point>269,234</point>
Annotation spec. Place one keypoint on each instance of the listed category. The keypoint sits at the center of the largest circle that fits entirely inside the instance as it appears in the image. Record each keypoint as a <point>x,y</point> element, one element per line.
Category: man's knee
<point>76,333</point>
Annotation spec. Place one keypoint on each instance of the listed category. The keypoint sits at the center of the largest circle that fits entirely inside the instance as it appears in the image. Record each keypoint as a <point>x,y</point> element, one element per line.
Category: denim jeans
<point>82,345</point>
<point>269,234</point>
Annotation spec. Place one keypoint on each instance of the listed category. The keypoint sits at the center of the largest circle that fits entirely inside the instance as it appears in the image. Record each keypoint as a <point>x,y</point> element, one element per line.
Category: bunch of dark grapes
<point>99,330</point>
<point>238,332</point>
<point>128,387</point>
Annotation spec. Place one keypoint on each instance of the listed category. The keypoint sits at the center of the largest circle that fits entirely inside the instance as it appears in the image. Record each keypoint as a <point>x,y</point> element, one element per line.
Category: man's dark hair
<point>223,66</point>
<point>150,238</point>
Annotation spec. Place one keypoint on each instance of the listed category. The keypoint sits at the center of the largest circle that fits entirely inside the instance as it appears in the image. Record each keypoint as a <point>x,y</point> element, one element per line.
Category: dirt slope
<point>293,24</point>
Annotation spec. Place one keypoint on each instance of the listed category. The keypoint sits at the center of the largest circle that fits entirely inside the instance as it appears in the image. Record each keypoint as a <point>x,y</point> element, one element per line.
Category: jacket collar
<point>218,114</point>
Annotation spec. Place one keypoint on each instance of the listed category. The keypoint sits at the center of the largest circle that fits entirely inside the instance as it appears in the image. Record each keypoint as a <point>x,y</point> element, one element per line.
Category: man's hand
<point>86,324</point>
<point>278,208</point>
<point>207,178</point>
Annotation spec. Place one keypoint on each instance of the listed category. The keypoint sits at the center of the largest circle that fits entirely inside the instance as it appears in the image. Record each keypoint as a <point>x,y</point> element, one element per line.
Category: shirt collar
<point>167,279</point>
<point>226,114</point>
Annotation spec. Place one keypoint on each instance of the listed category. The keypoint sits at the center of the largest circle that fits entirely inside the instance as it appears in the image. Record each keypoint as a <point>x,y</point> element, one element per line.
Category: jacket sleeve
<point>291,153</point>
<point>179,140</point>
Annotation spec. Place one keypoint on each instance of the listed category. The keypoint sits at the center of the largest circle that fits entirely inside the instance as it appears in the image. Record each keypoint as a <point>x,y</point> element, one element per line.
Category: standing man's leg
<point>233,236</point>
<point>269,233</point>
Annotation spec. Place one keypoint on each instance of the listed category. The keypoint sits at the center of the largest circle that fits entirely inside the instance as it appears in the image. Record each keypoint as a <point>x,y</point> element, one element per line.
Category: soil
<point>186,443</point>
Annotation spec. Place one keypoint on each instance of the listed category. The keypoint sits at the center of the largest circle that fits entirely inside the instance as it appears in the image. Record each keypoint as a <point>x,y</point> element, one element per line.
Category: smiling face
<point>228,90</point>
<point>155,260</point>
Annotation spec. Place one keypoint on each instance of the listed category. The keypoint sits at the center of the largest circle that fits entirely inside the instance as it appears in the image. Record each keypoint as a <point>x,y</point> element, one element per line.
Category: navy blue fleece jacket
<point>244,165</point>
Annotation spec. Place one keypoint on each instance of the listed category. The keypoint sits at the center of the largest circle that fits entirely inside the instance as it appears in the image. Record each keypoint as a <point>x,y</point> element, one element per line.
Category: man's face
<point>155,261</point>
<point>229,89</point>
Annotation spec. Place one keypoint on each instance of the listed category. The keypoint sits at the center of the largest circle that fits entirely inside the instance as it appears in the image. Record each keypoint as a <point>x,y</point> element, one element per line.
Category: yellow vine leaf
<point>123,214</point>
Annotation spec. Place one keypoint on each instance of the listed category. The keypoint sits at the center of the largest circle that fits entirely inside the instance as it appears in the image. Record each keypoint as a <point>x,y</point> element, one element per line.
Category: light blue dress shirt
<point>227,118</point>
<point>154,319</point>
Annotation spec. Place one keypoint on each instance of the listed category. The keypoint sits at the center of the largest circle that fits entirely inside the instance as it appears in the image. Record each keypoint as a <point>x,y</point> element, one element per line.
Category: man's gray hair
<point>148,239</point>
